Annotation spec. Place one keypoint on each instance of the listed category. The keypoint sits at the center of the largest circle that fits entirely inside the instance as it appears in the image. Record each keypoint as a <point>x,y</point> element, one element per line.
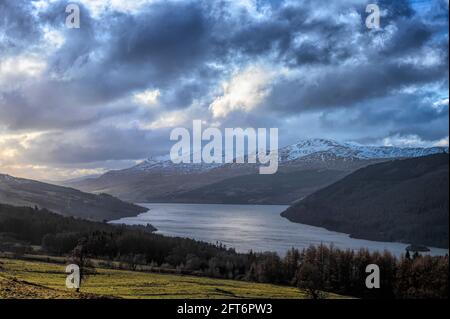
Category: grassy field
<point>25,279</point>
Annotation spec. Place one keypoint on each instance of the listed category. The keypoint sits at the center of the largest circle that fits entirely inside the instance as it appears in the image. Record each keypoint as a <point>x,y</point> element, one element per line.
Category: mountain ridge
<point>159,180</point>
<point>305,148</point>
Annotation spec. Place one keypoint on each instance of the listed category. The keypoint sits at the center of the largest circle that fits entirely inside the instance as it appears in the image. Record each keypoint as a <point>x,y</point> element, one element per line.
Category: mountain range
<point>401,200</point>
<point>304,167</point>
<point>371,192</point>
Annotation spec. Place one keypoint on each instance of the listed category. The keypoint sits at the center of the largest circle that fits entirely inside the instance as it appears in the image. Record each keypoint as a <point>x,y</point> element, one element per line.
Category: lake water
<point>249,227</point>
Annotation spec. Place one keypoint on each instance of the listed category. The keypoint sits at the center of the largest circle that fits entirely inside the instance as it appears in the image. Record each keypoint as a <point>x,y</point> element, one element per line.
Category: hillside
<point>13,288</point>
<point>401,200</point>
<point>280,188</point>
<point>30,280</point>
<point>159,180</point>
<point>63,200</point>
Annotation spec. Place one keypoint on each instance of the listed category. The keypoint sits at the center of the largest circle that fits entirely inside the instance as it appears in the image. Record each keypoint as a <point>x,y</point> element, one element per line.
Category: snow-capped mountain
<point>352,150</point>
<point>312,149</point>
<point>164,163</point>
<point>304,167</point>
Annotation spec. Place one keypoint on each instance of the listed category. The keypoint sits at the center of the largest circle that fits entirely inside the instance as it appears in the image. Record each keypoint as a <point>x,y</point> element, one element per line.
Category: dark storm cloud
<point>55,105</point>
<point>169,39</point>
<point>164,46</point>
<point>18,27</point>
<point>403,115</point>
<point>378,72</point>
<point>78,147</point>
<point>278,34</point>
<point>411,35</point>
<point>187,49</point>
<point>167,42</point>
<point>344,87</point>
<point>396,9</point>
<point>80,43</point>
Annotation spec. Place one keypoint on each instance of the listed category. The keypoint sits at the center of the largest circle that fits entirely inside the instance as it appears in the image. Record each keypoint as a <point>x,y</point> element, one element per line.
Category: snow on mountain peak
<point>306,147</point>
<point>353,150</point>
<point>164,162</point>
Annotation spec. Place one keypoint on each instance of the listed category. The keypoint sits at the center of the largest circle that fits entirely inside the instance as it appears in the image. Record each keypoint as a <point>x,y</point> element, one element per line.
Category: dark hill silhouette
<point>63,200</point>
<point>401,200</point>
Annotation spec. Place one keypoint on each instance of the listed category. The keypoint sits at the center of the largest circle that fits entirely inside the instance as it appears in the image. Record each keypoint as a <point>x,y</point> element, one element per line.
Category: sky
<point>81,101</point>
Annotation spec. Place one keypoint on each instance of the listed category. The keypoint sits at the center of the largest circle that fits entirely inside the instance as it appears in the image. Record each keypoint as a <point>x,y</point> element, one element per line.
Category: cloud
<point>441,104</point>
<point>135,69</point>
<point>20,28</point>
<point>412,141</point>
<point>147,97</point>
<point>442,142</point>
<point>104,143</point>
<point>347,85</point>
<point>167,120</point>
<point>244,91</point>
<point>14,70</point>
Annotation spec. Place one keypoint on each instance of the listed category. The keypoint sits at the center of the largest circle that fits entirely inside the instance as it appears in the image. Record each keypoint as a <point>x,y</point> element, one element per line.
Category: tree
<point>309,278</point>
<point>79,257</point>
<point>291,262</point>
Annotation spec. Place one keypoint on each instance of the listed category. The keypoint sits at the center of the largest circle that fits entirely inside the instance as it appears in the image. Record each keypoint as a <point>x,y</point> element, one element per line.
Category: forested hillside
<point>64,200</point>
<point>401,200</point>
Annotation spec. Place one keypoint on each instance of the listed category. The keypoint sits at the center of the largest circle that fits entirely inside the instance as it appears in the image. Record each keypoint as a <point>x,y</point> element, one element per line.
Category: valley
<point>304,167</point>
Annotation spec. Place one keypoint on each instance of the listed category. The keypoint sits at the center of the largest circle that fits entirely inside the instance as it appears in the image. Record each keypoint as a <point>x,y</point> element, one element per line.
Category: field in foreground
<point>25,279</point>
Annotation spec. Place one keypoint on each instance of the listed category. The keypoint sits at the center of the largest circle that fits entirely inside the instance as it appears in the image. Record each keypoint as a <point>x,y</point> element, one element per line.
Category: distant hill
<point>324,162</point>
<point>63,200</point>
<point>280,188</point>
<point>401,200</point>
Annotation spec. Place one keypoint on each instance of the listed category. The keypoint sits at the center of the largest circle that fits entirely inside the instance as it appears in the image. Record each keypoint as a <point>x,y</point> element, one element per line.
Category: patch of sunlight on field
<point>129,284</point>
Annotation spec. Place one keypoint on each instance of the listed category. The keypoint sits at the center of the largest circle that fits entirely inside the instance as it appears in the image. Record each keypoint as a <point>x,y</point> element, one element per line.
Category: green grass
<point>140,285</point>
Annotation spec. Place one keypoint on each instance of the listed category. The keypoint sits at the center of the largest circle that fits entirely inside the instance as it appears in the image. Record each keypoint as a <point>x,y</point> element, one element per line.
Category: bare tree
<point>79,257</point>
<point>309,279</point>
